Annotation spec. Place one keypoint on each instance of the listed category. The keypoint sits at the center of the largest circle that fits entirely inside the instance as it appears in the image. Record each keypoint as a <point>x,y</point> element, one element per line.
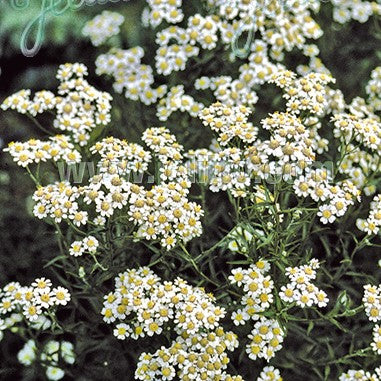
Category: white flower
<point>326,214</point>
<point>53,373</point>
<point>27,355</point>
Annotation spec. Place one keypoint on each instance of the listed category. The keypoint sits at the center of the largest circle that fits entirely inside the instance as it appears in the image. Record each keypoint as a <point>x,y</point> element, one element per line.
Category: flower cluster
<point>269,373</point>
<point>21,102</point>
<point>32,301</point>
<point>199,356</point>
<point>365,131</point>
<point>258,289</point>
<point>359,165</point>
<point>303,94</point>
<point>300,289</point>
<point>346,10</point>
<point>334,199</point>
<point>229,123</point>
<point>79,106</point>
<point>372,224</point>
<point>267,335</point>
<point>289,152</point>
<point>265,339</point>
<point>372,303</point>
<point>119,157</point>
<point>175,100</point>
<point>57,148</point>
<point>168,215</point>
<point>149,304</point>
<point>361,375</point>
<point>144,305</point>
<point>102,27</point>
<point>59,202</point>
<point>168,10</point>
<point>162,213</point>
<point>236,92</point>
<point>88,245</point>
<point>282,26</point>
<point>52,353</point>
<point>281,29</point>
<point>373,89</point>
<point>130,74</point>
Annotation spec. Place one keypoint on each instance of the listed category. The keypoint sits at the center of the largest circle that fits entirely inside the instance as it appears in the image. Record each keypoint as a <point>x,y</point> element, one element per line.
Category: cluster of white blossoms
<point>258,289</point>
<point>265,339</point>
<point>162,213</point>
<point>165,213</point>
<point>170,58</point>
<point>361,375</point>
<point>353,128</point>
<point>373,89</point>
<point>144,305</point>
<point>59,201</point>
<point>289,152</point>
<point>175,100</point>
<point>147,304</point>
<point>372,303</point>
<point>305,94</point>
<point>300,289</point>
<point>267,336</point>
<point>358,128</point>
<point>103,26</point>
<point>120,158</point>
<point>87,245</point>
<point>130,75</point>
<point>21,102</point>
<point>372,224</point>
<point>164,10</point>
<point>269,373</point>
<point>236,92</point>
<point>282,26</point>
<point>229,123</point>
<point>199,356</point>
<point>79,107</point>
<point>51,355</point>
<point>281,29</point>
<point>334,199</point>
<point>346,10</point>
<point>32,301</point>
<point>57,148</point>
<point>358,165</point>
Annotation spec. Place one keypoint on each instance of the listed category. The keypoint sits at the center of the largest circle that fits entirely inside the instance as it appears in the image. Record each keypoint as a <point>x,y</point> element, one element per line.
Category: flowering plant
<point>223,240</point>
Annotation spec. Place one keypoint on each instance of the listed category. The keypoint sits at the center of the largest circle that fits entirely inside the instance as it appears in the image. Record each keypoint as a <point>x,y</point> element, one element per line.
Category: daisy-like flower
<point>326,214</point>
<point>240,317</point>
<point>76,248</point>
<point>61,296</point>
<point>42,283</point>
<point>122,331</point>
<point>32,311</point>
